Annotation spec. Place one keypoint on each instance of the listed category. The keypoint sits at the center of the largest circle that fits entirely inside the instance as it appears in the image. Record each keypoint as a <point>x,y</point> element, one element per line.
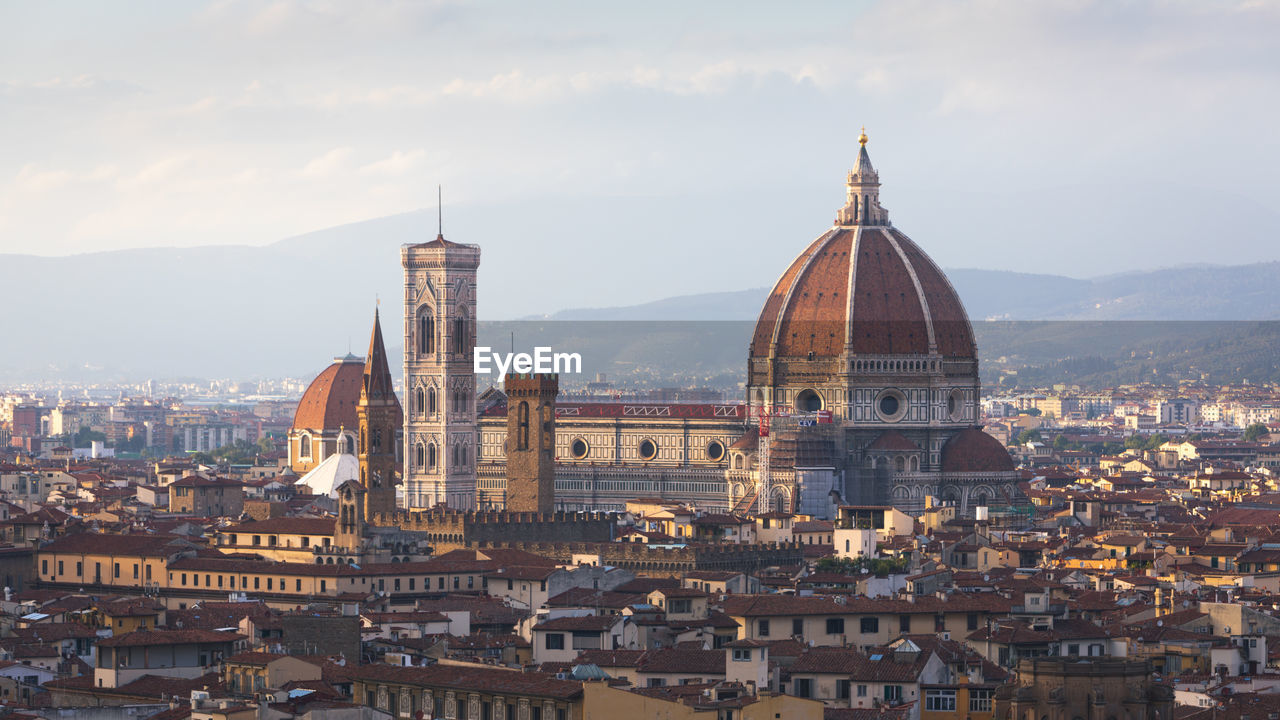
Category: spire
<point>377,374</point>
<point>862,192</point>
<point>862,166</point>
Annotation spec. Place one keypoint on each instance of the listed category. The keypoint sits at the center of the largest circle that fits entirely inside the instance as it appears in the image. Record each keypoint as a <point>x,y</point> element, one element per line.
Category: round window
<point>648,450</point>
<point>891,405</point>
<point>955,404</point>
<point>888,405</point>
<point>579,448</point>
<point>715,451</point>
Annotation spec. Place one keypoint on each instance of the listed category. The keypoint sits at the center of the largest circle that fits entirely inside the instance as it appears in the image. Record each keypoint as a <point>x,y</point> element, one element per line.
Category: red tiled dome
<point>330,400</point>
<point>901,301</point>
<point>972,450</point>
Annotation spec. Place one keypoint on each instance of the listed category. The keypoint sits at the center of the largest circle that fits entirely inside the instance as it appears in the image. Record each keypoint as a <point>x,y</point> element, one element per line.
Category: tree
<point>1061,443</point>
<point>84,437</point>
<point>202,458</point>
<point>874,566</point>
<point>1254,431</point>
<point>1029,435</point>
<point>1155,441</point>
<point>240,452</point>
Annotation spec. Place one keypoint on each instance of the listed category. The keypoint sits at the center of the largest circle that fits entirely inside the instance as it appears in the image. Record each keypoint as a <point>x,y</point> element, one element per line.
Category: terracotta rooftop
<point>481,679</point>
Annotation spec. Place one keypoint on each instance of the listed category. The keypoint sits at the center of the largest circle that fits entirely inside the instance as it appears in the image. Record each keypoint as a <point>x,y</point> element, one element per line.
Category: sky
<point>1006,133</point>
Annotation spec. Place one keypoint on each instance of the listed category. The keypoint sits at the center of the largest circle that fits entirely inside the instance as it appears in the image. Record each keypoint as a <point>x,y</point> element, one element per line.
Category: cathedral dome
<point>330,400</point>
<point>870,289</point>
<point>862,288</point>
<point>972,450</point>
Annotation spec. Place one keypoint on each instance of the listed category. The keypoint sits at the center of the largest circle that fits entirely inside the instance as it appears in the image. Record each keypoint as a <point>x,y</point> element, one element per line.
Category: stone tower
<point>531,442</point>
<point>380,418</point>
<point>439,334</point>
<point>349,530</point>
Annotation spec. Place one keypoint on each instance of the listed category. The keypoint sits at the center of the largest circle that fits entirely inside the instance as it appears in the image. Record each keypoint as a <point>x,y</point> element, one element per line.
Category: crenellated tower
<point>380,419</point>
<point>439,335</point>
<point>531,441</point>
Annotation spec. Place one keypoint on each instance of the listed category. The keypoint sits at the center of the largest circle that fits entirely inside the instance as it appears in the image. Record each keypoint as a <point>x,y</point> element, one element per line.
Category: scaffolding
<point>771,421</point>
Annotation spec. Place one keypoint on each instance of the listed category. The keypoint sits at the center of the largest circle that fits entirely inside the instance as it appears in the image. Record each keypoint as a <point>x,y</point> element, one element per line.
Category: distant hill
<point>1199,293</point>
<point>242,312</point>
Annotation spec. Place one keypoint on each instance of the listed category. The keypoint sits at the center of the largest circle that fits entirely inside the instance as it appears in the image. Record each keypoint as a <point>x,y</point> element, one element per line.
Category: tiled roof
<point>586,623</point>
<point>804,526</point>
<point>473,679</point>
<point>139,638</point>
<point>285,525</point>
<point>674,660</point>
<point>142,545</point>
<point>769,605</point>
<point>839,661</point>
<point>614,658</point>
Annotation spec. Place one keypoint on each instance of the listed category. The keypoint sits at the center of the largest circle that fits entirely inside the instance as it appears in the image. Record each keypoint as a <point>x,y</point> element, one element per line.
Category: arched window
<point>431,401</point>
<point>426,332</point>
<point>419,401</point>
<point>460,338</point>
<point>431,456</point>
<point>522,427</point>
<point>420,455</point>
<point>464,455</point>
<point>304,446</point>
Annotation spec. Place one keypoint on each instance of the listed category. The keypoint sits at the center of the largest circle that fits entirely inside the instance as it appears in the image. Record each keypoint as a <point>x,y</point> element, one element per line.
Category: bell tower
<point>439,335</point>
<point>349,530</point>
<point>380,421</point>
<point>531,441</point>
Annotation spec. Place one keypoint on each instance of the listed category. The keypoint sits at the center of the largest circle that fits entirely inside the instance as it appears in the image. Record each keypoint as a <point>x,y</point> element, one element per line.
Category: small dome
<point>330,400</point>
<point>972,450</point>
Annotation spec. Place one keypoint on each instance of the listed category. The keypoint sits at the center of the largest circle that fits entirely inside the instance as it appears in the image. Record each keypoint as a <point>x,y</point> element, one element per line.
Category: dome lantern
<point>862,192</point>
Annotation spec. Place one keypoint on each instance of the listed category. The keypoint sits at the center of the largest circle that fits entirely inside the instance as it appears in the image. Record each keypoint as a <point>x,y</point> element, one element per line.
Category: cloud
<point>32,179</point>
<point>329,164</point>
<point>157,174</point>
<point>398,163</point>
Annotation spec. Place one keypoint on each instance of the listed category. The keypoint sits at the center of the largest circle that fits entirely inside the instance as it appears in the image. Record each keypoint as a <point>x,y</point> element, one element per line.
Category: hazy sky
<point>191,123</point>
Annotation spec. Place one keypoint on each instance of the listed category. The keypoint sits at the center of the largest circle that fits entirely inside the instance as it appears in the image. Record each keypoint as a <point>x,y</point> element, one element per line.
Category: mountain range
<point>285,309</point>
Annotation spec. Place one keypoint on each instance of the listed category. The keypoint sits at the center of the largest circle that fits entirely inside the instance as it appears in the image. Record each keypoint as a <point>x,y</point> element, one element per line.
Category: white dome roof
<point>326,477</point>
